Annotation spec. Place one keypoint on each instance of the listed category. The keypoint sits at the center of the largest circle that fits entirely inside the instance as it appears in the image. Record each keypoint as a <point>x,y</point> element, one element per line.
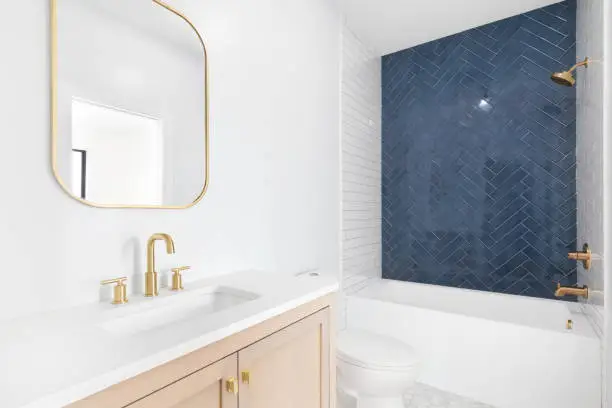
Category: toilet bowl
<point>374,371</point>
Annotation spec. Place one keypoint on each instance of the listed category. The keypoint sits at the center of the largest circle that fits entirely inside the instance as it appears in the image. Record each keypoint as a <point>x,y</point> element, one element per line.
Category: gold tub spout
<point>151,286</point>
<point>569,291</point>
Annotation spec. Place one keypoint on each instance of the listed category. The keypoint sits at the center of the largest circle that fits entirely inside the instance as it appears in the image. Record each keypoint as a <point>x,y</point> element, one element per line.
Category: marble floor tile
<point>424,396</point>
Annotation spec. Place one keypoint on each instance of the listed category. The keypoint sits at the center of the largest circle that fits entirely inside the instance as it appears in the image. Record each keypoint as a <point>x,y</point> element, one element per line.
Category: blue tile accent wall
<point>479,157</point>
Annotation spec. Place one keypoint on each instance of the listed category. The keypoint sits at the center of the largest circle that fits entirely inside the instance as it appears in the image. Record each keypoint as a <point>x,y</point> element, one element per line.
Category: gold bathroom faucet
<point>568,291</point>
<point>151,285</point>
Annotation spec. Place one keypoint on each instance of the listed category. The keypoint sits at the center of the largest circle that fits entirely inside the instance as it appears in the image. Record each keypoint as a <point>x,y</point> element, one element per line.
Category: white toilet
<point>374,371</point>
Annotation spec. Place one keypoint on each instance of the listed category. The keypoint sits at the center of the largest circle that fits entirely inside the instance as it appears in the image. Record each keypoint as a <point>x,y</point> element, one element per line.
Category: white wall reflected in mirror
<point>124,69</point>
<point>79,173</point>
<point>124,155</point>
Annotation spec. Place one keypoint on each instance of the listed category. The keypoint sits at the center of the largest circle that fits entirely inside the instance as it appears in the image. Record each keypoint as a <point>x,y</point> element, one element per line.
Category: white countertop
<point>51,360</point>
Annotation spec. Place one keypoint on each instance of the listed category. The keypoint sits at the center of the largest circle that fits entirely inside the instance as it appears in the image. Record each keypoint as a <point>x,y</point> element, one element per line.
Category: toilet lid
<point>371,350</point>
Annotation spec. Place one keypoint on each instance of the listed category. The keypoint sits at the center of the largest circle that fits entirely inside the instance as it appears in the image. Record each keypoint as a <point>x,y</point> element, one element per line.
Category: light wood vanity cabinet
<point>289,369</point>
<point>203,389</point>
<point>285,362</point>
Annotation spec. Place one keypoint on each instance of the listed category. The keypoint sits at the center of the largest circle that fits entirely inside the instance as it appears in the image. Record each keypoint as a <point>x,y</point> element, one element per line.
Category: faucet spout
<point>151,286</point>
<point>567,291</point>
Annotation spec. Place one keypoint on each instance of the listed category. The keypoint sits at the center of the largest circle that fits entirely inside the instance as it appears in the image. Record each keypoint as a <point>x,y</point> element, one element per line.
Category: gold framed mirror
<point>129,109</point>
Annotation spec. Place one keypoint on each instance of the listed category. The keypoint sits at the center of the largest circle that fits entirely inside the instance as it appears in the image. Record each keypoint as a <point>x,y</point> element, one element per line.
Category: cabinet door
<point>289,369</point>
<point>206,388</point>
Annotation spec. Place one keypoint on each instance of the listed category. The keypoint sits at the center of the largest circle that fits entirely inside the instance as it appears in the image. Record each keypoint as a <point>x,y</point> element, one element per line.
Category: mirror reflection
<point>130,108</point>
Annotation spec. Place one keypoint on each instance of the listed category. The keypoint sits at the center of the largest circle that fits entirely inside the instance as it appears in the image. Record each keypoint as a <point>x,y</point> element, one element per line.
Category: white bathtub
<point>504,350</point>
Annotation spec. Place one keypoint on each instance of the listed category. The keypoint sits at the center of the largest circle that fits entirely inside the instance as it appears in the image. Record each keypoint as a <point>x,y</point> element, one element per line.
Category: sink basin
<point>154,313</point>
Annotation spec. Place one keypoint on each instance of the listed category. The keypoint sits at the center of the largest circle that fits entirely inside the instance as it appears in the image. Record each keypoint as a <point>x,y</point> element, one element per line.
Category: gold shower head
<point>566,78</point>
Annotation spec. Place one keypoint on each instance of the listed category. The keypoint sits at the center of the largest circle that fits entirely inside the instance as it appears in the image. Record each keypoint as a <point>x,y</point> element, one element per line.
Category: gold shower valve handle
<point>177,277</point>
<point>119,291</point>
<point>579,256</point>
<point>585,256</point>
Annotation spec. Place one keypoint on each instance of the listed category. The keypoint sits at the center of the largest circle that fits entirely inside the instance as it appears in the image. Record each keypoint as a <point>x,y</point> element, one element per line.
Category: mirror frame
<point>54,119</point>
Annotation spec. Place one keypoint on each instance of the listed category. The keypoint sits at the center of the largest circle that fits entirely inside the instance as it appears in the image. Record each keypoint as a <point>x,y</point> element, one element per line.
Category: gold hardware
<point>151,286</point>
<point>567,291</point>
<point>246,377</point>
<point>119,291</point>
<point>231,386</point>
<point>566,78</point>
<point>177,278</point>
<point>584,256</point>
<point>570,324</point>
<point>55,113</point>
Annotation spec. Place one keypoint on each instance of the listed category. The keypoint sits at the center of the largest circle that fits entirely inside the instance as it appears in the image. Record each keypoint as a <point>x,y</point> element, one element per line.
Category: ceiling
<point>144,15</point>
<point>393,25</point>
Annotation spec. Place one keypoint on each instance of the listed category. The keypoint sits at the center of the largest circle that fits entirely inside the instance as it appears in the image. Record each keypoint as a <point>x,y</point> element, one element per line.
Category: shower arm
<point>586,63</point>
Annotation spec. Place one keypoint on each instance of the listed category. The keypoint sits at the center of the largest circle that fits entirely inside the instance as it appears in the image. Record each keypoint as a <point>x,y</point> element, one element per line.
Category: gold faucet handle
<point>177,278</point>
<point>584,256</point>
<point>119,291</point>
<point>118,281</point>
<point>579,256</point>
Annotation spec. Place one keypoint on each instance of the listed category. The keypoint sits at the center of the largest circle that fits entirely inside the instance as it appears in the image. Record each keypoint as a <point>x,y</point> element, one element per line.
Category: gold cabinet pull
<point>231,386</point>
<point>246,377</point>
<point>119,291</point>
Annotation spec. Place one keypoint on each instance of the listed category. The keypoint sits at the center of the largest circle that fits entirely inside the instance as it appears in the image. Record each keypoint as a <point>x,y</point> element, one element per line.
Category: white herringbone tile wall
<point>589,151</point>
<point>361,163</point>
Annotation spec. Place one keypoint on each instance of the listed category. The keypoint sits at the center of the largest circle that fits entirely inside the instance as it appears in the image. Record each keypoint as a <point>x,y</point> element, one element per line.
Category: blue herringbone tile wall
<point>479,157</point>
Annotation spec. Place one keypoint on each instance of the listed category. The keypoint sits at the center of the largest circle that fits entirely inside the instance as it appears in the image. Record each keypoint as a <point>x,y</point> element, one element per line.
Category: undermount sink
<point>154,313</point>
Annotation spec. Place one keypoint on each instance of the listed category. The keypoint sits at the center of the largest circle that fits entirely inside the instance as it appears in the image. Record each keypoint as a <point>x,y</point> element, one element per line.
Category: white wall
<point>361,162</point>
<point>274,198</point>
<point>394,25</point>
<point>607,183</point>
<point>593,179</point>
<point>589,151</point>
